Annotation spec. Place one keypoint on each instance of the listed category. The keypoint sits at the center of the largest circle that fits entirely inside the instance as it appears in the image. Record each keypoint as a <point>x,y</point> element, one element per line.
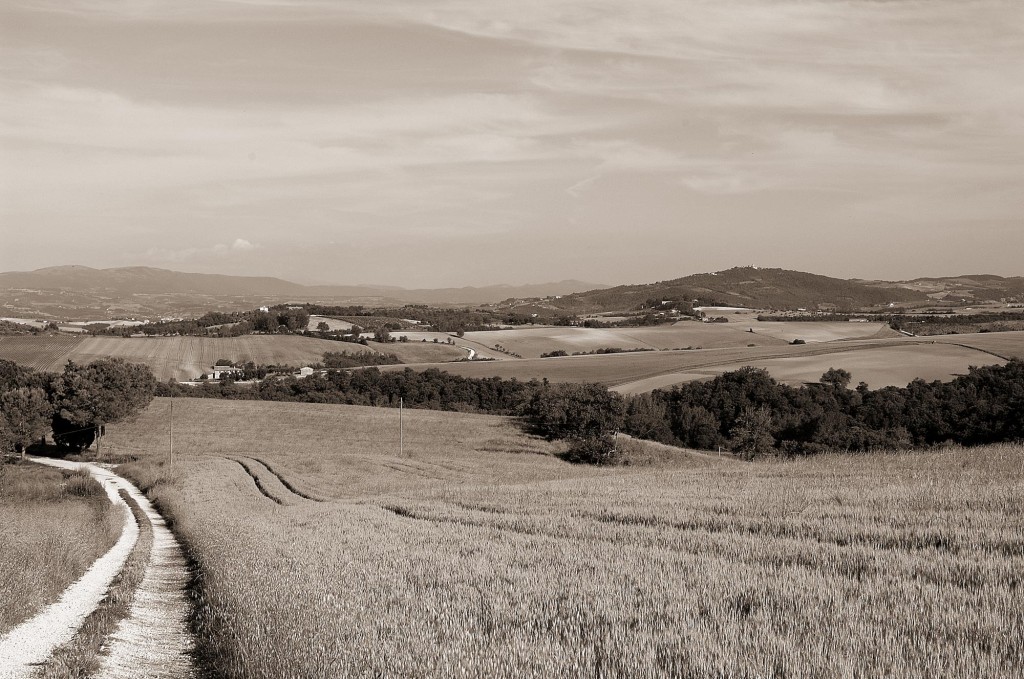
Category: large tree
<point>26,416</point>
<point>105,391</point>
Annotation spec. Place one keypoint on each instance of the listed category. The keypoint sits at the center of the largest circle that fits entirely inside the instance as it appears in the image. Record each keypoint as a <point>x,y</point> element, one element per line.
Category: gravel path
<point>153,641</point>
<point>33,641</point>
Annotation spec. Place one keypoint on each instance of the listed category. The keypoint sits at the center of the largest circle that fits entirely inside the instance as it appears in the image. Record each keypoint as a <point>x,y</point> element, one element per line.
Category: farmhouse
<point>219,371</point>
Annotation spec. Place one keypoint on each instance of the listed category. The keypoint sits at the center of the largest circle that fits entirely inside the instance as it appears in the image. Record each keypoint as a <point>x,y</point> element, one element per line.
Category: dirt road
<point>153,641</point>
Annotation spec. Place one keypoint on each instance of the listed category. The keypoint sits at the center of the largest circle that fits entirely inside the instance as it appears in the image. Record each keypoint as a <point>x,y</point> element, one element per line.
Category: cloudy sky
<point>471,142</point>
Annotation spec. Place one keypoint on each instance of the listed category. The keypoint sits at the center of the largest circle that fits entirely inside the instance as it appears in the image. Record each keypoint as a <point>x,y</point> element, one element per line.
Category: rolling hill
<point>746,287</point>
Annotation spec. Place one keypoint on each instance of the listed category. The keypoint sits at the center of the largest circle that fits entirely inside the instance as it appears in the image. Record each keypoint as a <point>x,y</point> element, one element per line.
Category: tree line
<point>276,319</point>
<point>745,411</point>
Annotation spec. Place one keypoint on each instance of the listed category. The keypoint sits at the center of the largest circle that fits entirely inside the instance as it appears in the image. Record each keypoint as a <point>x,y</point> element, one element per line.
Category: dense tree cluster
<point>431,389</point>
<point>743,410</point>
<point>439,319</point>
<point>217,324</point>
<point>74,404</point>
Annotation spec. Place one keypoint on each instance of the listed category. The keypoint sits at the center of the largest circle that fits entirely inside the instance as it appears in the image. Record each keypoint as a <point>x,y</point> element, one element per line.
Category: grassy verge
<point>80,657</point>
<point>54,525</point>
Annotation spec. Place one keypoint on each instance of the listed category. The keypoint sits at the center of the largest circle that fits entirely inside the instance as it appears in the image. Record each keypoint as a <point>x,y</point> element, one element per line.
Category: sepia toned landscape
<point>562,338</point>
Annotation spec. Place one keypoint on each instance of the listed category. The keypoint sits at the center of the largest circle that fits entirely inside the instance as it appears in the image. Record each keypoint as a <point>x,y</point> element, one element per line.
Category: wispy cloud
<point>310,120</point>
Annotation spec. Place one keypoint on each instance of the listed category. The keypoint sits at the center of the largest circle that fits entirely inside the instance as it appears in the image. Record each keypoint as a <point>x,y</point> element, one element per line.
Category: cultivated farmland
<point>896,359</point>
<point>885,366</point>
<point>532,342</point>
<point>420,352</point>
<point>180,358</point>
<point>482,554</point>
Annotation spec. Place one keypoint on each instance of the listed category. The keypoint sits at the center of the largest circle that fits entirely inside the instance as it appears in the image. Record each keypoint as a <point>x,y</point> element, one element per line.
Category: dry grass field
<point>181,358</point>
<point>53,525</point>
<point>482,554</point>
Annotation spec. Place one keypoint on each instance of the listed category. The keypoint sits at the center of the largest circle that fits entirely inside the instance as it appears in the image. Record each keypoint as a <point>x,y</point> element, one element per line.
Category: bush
<point>598,450</point>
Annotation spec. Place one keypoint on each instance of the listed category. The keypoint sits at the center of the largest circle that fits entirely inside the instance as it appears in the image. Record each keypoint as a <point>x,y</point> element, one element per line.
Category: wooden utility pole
<point>401,427</point>
<point>170,437</point>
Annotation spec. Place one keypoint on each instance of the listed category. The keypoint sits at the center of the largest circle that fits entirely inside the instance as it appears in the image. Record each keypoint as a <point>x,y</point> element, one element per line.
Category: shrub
<point>598,450</point>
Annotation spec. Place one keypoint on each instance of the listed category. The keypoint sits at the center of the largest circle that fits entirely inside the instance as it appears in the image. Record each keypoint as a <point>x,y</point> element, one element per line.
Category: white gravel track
<point>32,642</point>
<point>153,641</point>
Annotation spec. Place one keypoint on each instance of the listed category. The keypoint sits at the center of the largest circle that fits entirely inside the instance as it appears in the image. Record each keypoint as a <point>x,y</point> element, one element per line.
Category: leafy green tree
<point>836,377</point>
<point>26,416</point>
<point>322,326</point>
<point>697,427</point>
<point>752,435</point>
<point>103,392</point>
<point>575,411</point>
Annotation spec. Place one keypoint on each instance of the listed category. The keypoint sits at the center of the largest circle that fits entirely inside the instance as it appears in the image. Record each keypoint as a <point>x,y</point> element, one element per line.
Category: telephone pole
<point>401,427</point>
<point>170,437</point>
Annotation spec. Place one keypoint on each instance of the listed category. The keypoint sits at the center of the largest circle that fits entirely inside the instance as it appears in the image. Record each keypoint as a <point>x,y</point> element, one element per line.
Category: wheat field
<point>483,554</point>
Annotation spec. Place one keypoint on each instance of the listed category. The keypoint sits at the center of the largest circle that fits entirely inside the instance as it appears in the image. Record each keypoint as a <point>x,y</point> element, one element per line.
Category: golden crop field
<point>895,365</point>
<point>483,554</point>
<point>181,358</point>
<point>531,342</point>
<point>1005,344</point>
<point>419,352</point>
<point>820,331</point>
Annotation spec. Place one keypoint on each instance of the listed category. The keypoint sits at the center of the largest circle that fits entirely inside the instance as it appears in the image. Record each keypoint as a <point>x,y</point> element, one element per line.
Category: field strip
<point>634,524</point>
<point>154,640</point>
<point>32,642</point>
<point>984,351</point>
<point>63,355</point>
<point>716,363</point>
<point>259,483</point>
<point>287,484</point>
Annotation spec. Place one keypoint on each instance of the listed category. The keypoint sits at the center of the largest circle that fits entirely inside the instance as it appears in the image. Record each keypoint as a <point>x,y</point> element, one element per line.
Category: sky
<point>477,142</point>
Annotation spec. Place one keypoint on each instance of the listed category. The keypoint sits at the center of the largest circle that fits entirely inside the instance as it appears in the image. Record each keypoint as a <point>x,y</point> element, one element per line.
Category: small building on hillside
<point>305,371</point>
<point>219,371</point>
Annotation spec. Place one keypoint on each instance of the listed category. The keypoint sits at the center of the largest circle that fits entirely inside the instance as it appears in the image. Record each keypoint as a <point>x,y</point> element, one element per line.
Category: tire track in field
<point>256,479</point>
<point>286,483</point>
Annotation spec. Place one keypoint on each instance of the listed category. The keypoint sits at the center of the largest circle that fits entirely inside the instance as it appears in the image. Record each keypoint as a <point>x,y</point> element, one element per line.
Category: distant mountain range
<point>784,289</point>
<point>59,290</point>
<point>81,291</point>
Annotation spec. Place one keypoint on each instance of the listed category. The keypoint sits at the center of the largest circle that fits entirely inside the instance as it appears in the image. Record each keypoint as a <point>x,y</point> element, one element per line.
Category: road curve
<point>32,642</point>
